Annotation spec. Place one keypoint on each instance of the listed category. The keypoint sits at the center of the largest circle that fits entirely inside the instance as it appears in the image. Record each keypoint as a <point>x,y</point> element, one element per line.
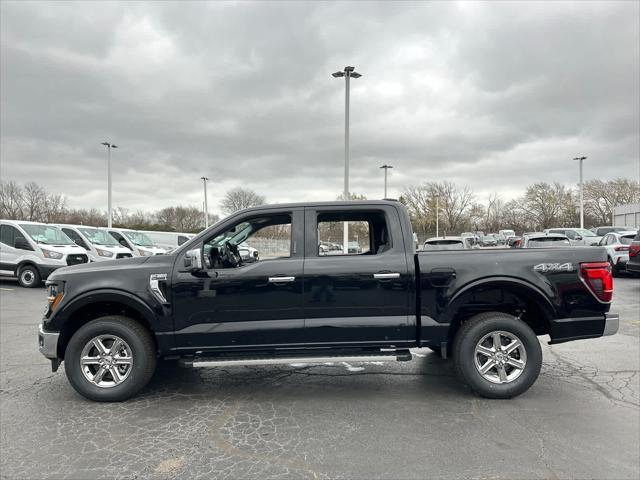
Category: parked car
<point>633,265</point>
<point>444,243</point>
<point>617,245</point>
<point>167,240</point>
<point>577,236</point>
<point>98,244</point>
<point>110,322</point>
<point>602,231</point>
<point>31,251</point>
<point>544,240</point>
<point>138,243</point>
<point>248,253</point>
<point>354,247</point>
<point>507,235</point>
<point>488,240</point>
<point>514,242</point>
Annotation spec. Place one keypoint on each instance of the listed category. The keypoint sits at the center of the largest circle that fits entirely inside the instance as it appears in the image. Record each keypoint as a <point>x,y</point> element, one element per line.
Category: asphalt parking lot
<point>394,420</point>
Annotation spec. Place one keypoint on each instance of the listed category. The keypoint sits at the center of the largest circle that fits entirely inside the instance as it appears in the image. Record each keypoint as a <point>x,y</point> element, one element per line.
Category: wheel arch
<point>501,294</point>
<point>24,263</point>
<point>96,304</point>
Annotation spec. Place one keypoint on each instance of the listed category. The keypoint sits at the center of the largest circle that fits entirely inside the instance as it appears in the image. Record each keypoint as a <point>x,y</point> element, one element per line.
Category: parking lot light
<point>581,159</point>
<point>109,210</point>
<point>206,206</point>
<point>347,73</point>
<point>386,168</point>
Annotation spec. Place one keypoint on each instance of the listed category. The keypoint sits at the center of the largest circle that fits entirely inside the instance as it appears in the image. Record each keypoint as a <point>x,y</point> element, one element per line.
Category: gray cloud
<point>492,95</point>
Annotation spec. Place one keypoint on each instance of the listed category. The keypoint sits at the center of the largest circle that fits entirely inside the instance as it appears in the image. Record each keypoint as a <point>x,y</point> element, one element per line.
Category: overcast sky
<point>495,95</point>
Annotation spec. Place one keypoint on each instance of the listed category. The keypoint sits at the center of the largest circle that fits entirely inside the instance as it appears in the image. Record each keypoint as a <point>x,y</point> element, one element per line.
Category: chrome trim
<point>154,285</point>
<point>281,279</point>
<point>285,361</point>
<point>611,324</point>
<point>385,276</point>
<point>48,343</point>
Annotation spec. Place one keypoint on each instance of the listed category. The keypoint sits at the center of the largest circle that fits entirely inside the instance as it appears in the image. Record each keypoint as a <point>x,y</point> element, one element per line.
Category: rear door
<point>8,253</point>
<point>360,298</point>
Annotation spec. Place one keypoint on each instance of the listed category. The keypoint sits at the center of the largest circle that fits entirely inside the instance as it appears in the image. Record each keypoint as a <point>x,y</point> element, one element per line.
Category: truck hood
<point>97,267</point>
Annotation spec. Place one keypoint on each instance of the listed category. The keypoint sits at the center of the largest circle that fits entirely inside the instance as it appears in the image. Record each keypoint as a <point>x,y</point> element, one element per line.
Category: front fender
<point>115,296</point>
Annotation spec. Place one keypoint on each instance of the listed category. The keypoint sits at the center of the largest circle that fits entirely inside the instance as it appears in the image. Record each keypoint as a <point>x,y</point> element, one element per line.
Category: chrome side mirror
<point>193,259</point>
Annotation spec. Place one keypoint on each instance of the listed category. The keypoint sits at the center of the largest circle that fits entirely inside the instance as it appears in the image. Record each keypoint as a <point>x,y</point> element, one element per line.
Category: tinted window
<point>367,231</point>
<point>8,235</point>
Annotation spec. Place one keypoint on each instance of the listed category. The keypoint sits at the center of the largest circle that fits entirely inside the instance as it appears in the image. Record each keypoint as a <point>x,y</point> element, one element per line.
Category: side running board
<point>199,362</point>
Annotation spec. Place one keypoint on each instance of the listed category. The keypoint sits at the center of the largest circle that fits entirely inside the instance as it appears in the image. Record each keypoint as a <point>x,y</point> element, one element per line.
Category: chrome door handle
<point>281,279</point>
<point>385,276</point>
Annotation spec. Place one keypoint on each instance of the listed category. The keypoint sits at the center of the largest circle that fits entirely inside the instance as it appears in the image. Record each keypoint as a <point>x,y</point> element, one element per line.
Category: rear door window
<point>8,235</point>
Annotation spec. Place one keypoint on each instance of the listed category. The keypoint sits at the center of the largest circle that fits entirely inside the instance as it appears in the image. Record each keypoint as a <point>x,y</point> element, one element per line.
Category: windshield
<point>444,245</point>
<point>509,233</point>
<point>548,242</point>
<point>584,232</point>
<point>98,237</point>
<point>627,239</point>
<point>138,238</point>
<point>46,234</point>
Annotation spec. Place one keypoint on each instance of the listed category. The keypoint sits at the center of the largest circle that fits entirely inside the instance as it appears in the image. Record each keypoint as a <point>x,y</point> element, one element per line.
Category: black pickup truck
<point>374,300</point>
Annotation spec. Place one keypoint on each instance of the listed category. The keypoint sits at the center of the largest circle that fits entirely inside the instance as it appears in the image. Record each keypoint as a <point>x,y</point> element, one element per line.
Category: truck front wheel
<point>110,359</point>
<point>497,355</point>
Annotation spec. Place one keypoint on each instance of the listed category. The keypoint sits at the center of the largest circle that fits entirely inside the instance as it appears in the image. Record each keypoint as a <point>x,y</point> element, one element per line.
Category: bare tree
<point>11,201</point>
<point>548,205</point>
<point>34,200</point>
<point>239,199</point>
<point>55,209</point>
<point>600,197</point>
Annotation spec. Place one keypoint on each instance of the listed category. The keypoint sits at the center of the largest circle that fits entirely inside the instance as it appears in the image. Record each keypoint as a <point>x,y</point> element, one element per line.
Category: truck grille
<point>123,255</point>
<point>76,259</point>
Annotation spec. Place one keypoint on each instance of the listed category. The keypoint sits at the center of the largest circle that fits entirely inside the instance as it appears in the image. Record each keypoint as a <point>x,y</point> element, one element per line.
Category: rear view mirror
<point>578,237</point>
<point>80,243</point>
<point>22,244</point>
<point>123,242</point>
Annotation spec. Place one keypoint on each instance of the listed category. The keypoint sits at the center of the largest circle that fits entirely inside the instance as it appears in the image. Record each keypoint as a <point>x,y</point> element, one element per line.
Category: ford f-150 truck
<point>201,304</point>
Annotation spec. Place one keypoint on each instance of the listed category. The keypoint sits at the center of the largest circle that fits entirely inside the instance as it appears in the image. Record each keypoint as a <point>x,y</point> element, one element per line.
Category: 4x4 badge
<point>553,267</point>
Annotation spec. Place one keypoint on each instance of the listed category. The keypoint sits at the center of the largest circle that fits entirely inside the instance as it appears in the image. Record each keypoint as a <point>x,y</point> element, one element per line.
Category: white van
<point>31,251</point>
<point>168,240</point>
<point>137,242</point>
<point>99,244</point>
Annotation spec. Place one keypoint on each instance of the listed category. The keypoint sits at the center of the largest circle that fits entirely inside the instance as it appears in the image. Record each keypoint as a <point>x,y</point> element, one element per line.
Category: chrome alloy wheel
<point>500,357</point>
<point>106,361</point>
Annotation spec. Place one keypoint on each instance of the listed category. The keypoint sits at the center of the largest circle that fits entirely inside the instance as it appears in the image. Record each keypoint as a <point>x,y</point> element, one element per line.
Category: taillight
<point>621,248</point>
<point>634,250</point>
<point>598,279</point>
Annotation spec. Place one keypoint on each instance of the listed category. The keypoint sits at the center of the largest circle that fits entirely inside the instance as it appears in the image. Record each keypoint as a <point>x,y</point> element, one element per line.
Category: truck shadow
<point>424,374</point>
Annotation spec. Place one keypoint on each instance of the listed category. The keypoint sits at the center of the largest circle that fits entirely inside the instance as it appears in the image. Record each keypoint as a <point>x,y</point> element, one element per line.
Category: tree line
<point>34,203</point>
<point>542,205</point>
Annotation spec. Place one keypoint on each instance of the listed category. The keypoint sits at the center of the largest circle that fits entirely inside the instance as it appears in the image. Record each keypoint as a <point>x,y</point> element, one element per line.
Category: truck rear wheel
<point>110,359</point>
<point>497,355</point>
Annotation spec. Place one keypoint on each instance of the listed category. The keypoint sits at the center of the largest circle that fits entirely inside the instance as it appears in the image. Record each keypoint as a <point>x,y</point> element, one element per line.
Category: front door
<point>358,294</point>
<point>240,301</point>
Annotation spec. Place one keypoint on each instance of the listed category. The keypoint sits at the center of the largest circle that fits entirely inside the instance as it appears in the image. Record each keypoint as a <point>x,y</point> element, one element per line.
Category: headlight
<point>104,253</point>
<point>145,253</point>
<point>52,254</point>
<point>55,294</point>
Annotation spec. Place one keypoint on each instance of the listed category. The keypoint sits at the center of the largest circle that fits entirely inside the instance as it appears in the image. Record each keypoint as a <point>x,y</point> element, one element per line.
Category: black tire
<point>143,353</point>
<point>464,351</point>
<point>29,276</point>
<point>614,269</point>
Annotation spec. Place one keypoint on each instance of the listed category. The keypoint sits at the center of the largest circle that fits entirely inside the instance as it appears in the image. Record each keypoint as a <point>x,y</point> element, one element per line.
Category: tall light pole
<point>206,205</point>
<point>348,73</point>
<point>437,216</point>
<point>386,168</point>
<point>109,211</point>
<point>581,159</point>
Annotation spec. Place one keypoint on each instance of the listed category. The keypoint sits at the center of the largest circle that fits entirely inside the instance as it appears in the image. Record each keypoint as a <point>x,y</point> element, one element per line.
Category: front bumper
<point>48,343</point>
